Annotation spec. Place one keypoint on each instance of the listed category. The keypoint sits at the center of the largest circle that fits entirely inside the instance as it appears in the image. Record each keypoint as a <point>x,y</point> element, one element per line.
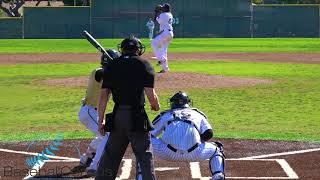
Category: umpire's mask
<point>131,46</point>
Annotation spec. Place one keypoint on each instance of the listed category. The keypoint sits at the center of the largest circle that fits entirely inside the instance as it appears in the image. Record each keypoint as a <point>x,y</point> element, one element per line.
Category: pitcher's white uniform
<point>161,42</point>
<point>181,141</point>
<point>88,116</point>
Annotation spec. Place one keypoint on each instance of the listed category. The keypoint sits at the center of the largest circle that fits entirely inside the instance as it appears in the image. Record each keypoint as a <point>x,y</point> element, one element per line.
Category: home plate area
<point>246,159</point>
<point>236,169</point>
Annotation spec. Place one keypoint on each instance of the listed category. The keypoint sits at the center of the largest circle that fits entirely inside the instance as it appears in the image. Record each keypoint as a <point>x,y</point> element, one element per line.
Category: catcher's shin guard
<point>217,163</point>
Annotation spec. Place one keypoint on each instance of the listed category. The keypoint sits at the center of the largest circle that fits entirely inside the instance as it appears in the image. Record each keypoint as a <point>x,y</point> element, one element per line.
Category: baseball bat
<point>95,44</point>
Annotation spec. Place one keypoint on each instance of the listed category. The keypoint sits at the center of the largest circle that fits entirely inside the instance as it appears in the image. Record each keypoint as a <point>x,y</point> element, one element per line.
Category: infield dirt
<point>307,58</point>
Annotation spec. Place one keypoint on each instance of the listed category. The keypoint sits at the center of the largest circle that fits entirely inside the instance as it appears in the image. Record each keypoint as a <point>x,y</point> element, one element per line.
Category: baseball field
<point>261,96</point>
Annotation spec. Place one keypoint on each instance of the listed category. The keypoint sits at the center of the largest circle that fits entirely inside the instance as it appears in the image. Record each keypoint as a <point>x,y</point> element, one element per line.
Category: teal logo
<point>51,150</point>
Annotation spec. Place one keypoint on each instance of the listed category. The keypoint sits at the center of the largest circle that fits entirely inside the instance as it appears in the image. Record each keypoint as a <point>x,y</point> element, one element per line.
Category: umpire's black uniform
<point>126,77</point>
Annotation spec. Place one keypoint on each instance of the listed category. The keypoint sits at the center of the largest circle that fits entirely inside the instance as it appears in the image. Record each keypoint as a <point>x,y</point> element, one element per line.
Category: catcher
<point>185,135</point>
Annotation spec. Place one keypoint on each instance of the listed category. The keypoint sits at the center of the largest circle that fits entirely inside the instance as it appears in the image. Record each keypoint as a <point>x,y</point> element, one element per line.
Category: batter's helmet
<point>180,100</point>
<point>112,53</point>
<point>131,45</point>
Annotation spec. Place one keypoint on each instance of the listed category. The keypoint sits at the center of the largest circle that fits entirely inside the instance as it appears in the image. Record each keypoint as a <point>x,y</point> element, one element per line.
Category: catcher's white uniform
<point>161,42</point>
<point>181,141</point>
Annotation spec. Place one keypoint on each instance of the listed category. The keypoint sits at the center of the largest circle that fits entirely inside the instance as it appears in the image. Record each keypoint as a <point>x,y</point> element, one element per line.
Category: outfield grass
<point>287,109</point>
<point>178,45</point>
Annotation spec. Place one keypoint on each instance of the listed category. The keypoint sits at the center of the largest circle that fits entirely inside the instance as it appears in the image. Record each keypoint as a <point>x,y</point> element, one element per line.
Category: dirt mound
<point>175,81</point>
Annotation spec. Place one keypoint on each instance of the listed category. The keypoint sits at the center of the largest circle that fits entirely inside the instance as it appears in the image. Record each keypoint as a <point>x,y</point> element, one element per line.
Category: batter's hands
<point>155,107</point>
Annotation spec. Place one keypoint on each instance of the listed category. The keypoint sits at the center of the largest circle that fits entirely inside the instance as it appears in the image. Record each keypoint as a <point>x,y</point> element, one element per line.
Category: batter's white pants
<point>203,152</point>
<point>160,46</point>
<point>88,116</point>
<point>100,149</point>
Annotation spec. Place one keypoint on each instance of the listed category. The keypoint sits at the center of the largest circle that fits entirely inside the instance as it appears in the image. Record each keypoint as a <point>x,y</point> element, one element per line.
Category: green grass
<point>288,109</point>
<point>178,45</point>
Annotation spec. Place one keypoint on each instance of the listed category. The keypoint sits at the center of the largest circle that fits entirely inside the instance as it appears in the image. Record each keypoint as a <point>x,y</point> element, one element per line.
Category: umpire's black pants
<point>117,144</point>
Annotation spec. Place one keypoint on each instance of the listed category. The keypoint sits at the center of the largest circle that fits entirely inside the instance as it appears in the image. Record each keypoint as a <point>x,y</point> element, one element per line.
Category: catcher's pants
<point>88,116</point>
<point>119,138</point>
<point>160,46</point>
<point>203,152</point>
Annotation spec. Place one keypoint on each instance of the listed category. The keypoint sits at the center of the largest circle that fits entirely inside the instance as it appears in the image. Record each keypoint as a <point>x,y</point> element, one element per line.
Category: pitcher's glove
<point>157,11</point>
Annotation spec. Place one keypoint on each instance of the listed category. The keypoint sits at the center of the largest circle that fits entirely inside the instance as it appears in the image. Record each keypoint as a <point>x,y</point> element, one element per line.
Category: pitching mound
<point>175,81</point>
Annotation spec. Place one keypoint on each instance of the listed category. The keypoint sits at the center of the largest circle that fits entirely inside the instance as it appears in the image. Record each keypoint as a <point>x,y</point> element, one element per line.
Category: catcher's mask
<point>180,100</point>
<point>131,45</point>
<point>112,53</point>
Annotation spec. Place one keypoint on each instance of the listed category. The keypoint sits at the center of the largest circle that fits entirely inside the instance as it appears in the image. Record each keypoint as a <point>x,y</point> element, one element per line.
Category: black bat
<point>96,44</point>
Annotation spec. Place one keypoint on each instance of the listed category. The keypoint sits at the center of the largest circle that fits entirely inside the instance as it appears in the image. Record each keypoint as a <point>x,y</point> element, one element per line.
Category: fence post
<point>251,20</point>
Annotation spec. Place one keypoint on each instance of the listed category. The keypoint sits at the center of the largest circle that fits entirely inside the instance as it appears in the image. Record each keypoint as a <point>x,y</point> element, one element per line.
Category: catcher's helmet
<point>112,53</point>
<point>131,45</point>
<point>180,100</point>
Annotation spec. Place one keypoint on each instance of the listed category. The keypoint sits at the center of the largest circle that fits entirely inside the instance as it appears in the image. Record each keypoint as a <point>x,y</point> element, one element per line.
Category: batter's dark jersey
<point>126,77</point>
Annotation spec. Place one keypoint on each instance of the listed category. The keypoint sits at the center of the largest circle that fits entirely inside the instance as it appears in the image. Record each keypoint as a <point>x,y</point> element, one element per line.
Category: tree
<point>13,10</point>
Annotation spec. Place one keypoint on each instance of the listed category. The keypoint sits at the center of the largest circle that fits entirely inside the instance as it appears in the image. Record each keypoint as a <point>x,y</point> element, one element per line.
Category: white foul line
<point>259,178</point>
<point>280,154</point>
<point>61,160</point>
<point>36,154</point>
<point>166,168</point>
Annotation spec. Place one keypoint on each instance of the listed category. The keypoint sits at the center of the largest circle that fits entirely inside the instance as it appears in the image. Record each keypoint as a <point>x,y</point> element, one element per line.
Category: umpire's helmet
<point>180,100</point>
<point>112,53</point>
<point>131,46</point>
